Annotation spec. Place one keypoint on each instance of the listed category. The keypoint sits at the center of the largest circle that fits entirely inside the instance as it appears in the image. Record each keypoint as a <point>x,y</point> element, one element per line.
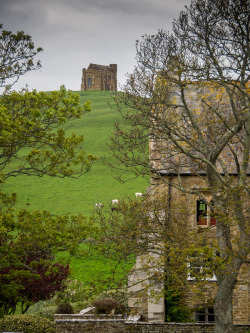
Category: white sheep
<point>98,205</point>
<point>114,204</point>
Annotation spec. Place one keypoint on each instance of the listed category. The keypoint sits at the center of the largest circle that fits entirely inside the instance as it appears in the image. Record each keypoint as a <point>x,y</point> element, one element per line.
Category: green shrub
<point>105,306</point>
<point>27,324</point>
<point>176,311</point>
<point>47,312</point>
<point>64,308</point>
<point>36,307</point>
<point>44,309</point>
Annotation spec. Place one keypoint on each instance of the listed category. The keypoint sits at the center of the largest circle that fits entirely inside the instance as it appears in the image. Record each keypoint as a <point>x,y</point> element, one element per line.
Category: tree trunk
<point>223,307</point>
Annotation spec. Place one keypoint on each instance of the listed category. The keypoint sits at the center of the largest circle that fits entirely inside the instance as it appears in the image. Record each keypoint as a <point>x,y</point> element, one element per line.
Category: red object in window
<point>202,220</point>
<point>201,212</point>
<point>212,221</point>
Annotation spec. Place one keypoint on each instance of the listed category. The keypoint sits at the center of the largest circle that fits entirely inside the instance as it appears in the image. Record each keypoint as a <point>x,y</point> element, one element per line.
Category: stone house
<point>168,170</point>
<point>99,77</point>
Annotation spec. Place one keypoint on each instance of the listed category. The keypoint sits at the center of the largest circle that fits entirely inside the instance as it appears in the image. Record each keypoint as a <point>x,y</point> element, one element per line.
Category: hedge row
<point>26,324</point>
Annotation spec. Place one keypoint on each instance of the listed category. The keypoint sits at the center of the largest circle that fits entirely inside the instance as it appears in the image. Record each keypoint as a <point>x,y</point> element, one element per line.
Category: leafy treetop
<point>16,53</point>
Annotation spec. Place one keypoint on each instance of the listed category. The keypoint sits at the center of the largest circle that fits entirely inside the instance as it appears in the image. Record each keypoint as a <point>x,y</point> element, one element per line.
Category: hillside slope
<point>61,196</point>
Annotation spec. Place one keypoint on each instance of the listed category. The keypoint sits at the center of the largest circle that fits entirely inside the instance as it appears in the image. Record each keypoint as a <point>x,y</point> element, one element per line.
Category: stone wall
<point>177,328</point>
<point>117,324</point>
<point>99,77</point>
<point>241,295</point>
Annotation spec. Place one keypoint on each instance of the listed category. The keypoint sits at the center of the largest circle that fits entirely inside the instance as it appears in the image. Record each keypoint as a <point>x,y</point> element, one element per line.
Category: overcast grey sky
<point>74,33</point>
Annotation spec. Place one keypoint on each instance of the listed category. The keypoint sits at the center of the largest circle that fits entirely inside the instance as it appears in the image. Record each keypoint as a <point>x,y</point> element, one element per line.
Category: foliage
<point>73,292</point>
<point>151,245</point>
<point>190,91</point>
<point>53,194</point>
<point>28,248</point>
<point>77,293</point>
<point>27,323</point>
<point>64,308</point>
<point>16,52</point>
<point>175,310</point>
<point>105,306</point>
<point>33,141</point>
<point>47,312</point>
<point>36,279</point>
<point>91,274</point>
<point>44,309</point>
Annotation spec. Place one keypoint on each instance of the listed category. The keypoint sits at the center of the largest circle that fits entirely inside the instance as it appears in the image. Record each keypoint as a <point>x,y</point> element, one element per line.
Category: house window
<point>194,268</point>
<point>201,215</point>
<point>205,315</point>
<point>89,82</point>
<point>200,268</point>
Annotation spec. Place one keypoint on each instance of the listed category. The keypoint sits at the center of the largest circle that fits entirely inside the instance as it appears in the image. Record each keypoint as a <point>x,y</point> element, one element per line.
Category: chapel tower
<point>99,77</point>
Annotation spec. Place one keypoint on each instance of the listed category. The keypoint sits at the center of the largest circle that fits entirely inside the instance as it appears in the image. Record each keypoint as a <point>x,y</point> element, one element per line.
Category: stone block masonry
<point>99,77</point>
<point>88,324</point>
<point>117,324</point>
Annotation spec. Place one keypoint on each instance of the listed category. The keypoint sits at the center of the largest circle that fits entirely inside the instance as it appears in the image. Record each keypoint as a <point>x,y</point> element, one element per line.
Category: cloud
<point>74,33</point>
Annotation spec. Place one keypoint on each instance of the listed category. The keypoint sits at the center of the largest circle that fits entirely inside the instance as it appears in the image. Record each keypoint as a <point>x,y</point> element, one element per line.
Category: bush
<point>64,308</point>
<point>44,309</point>
<point>47,312</point>
<point>176,311</point>
<point>105,306</point>
<point>36,307</point>
<point>27,324</point>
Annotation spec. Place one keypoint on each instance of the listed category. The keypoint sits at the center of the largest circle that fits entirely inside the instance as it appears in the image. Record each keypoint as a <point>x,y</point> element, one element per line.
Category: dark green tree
<point>34,141</point>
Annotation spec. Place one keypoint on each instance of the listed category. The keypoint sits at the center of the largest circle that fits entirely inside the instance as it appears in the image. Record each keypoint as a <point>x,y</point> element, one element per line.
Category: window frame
<point>205,312</point>
<point>201,213</point>
<point>89,82</point>
<point>199,267</point>
<point>204,219</point>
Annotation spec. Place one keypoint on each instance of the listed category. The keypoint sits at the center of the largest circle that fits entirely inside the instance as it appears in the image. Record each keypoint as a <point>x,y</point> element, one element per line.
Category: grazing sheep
<point>98,205</point>
<point>114,202</point>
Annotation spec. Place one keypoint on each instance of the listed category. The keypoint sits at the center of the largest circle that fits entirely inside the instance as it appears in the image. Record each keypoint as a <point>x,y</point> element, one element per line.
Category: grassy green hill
<point>61,196</point>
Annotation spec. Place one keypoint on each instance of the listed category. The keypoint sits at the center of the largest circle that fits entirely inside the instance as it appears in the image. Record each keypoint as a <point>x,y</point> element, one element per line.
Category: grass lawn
<point>95,266</point>
<point>61,196</point>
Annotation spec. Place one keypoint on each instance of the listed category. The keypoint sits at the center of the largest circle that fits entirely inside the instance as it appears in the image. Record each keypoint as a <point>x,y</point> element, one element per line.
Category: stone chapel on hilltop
<point>99,77</point>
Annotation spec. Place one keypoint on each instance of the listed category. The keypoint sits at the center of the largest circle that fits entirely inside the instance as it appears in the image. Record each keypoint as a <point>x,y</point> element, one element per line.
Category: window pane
<point>211,318</point>
<point>210,310</point>
<point>200,317</point>
<point>205,315</point>
<point>201,212</point>
<point>89,82</point>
